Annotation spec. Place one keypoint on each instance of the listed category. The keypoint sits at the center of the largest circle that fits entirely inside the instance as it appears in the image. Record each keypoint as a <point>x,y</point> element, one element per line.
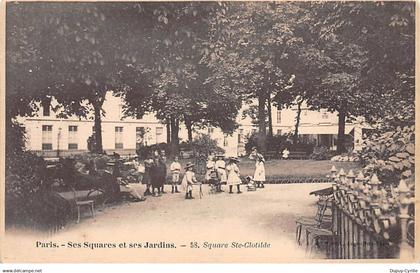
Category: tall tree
<point>362,60</point>
<point>249,52</point>
<point>181,93</point>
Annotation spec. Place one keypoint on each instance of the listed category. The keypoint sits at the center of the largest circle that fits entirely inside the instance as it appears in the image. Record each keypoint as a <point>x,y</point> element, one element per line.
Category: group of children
<point>219,171</point>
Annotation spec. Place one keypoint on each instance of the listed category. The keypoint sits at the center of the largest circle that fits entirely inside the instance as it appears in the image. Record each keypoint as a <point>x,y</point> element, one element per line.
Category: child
<point>188,181</point>
<point>220,167</point>
<point>211,175</point>
<point>250,184</point>
<point>141,169</point>
<point>175,170</point>
<point>259,174</point>
<point>233,178</point>
<point>285,153</point>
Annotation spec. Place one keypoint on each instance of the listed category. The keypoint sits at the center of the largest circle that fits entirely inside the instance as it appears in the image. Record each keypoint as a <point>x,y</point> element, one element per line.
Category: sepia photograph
<point>209,132</point>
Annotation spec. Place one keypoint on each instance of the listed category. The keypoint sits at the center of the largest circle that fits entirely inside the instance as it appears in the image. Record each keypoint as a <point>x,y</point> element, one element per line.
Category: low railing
<point>370,221</point>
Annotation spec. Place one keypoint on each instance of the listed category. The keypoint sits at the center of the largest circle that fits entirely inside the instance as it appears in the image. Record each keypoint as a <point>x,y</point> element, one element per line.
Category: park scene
<point>209,131</point>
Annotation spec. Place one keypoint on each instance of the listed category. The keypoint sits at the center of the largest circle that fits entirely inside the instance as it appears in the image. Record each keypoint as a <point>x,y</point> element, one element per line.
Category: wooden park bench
<point>298,155</point>
<point>271,155</point>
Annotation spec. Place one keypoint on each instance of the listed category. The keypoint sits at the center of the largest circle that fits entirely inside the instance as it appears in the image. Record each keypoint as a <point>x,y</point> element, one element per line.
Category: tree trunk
<point>168,130</point>
<point>188,124</point>
<point>341,145</point>
<point>299,111</point>
<point>97,106</point>
<point>174,136</point>
<point>46,104</point>
<point>270,117</point>
<point>262,125</point>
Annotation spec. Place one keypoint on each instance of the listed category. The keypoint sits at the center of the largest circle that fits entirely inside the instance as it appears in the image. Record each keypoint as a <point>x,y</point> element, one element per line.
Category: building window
<point>46,137</point>
<point>210,130</point>
<point>140,132</point>
<point>73,138</point>
<point>225,140</point>
<point>253,131</point>
<point>278,116</point>
<point>73,146</point>
<point>279,132</point>
<point>119,138</point>
<point>159,133</point>
<point>324,115</point>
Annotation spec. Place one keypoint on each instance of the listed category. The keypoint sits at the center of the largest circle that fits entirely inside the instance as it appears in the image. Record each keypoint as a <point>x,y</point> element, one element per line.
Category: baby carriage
<point>250,184</point>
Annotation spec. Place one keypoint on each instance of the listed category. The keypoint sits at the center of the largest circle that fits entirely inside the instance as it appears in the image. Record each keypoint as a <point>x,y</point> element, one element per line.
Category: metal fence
<point>370,221</point>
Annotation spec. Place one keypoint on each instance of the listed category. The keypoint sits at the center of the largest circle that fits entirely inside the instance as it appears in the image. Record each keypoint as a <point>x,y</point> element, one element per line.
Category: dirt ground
<point>266,216</point>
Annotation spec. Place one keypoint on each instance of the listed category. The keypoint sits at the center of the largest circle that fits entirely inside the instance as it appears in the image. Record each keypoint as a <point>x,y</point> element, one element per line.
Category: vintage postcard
<point>209,132</point>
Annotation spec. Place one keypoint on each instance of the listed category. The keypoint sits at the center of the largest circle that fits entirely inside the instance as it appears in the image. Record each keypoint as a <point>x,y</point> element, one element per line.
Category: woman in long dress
<point>233,175</point>
<point>259,174</point>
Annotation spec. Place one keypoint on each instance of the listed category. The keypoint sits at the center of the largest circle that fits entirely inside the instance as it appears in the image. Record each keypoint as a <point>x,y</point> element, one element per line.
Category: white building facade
<point>51,136</point>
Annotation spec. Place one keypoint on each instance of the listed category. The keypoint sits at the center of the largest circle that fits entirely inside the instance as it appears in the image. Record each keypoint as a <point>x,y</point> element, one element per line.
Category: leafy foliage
<point>390,154</point>
<point>322,153</point>
<point>204,145</point>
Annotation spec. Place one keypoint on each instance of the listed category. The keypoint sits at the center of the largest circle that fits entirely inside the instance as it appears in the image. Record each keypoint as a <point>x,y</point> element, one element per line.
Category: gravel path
<point>266,216</point>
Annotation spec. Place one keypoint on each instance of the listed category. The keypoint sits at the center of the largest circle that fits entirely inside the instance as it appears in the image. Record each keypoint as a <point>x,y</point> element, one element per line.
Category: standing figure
<point>220,167</point>
<point>233,174</point>
<point>188,181</point>
<point>285,153</point>
<point>141,170</point>
<point>147,178</point>
<point>117,168</point>
<point>259,174</point>
<point>158,176</point>
<point>162,165</point>
<point>92,168</point>
<point>175,170</point>
<point>163,169</point>
<point>211,174</point>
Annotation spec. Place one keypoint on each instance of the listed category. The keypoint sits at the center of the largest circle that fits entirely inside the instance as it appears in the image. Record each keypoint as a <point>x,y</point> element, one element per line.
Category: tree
<point>252,52</point>
<point>362,63</point>
<point>82,51</point>
<point>181,93</point>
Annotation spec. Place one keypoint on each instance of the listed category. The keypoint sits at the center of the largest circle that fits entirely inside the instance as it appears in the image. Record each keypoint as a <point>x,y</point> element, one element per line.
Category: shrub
<point>390,154</point>
<point>275,143</point>
<point>26,176</point>
<point>99,159</point>
<point>204,145</point>
<point>302,147</point>
<point>322,153</point>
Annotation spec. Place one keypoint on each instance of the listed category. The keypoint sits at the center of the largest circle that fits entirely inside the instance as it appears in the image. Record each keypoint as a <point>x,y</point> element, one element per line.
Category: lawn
<point>292,168</point>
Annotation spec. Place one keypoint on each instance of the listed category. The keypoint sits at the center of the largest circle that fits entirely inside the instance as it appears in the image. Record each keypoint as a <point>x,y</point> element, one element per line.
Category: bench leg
<point>78,214</point>
<point>92,210</point>
<point>298,233</point>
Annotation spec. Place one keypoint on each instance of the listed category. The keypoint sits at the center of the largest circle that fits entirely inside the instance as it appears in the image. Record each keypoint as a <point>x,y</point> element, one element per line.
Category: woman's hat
<point>189,165</point>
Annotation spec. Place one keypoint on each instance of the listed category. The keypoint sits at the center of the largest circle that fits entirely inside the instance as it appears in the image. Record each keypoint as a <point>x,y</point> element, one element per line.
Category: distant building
<point>51,136</point>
